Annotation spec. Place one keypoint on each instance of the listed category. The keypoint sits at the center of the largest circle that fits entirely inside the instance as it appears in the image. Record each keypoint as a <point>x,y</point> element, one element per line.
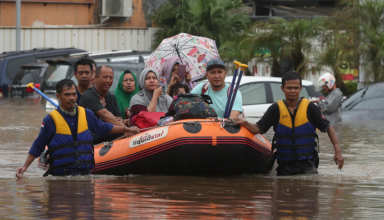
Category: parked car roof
<point>122,60</point>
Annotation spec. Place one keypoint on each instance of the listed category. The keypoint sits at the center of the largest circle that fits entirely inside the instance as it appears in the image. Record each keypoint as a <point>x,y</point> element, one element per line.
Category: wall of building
<point>90,39</point>
<point>36,14</point>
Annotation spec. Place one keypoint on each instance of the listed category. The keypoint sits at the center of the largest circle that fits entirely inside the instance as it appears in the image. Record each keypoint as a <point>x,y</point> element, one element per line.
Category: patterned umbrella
<point>197,51</point>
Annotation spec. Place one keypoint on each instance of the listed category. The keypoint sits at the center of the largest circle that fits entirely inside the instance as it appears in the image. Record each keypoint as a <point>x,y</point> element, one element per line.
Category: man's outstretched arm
<point>339,159</point>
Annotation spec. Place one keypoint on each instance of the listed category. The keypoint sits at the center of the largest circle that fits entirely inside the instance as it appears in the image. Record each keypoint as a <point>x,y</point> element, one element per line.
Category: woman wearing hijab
<point>126,89</point>
<point>151,98</point>
<point>169,70</point>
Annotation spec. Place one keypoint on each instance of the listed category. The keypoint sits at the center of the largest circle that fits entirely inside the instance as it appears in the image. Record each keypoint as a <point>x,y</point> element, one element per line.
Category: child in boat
<point>174,90</point>
<point>178,88</point>
<point>187,106</point>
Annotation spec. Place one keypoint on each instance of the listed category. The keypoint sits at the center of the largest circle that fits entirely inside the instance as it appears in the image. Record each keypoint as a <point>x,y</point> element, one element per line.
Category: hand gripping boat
<point>185,147</point>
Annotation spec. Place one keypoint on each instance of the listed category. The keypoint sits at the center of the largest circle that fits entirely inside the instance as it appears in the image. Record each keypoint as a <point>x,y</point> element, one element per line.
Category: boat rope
<point>221,121</point>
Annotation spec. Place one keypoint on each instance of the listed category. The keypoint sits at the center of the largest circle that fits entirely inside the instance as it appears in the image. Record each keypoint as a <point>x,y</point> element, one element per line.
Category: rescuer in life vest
<point>294,121</point>
<point>66,132</point>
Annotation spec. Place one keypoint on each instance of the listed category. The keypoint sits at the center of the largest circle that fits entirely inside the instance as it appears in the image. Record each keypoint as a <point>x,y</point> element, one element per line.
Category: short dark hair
<point>92,61</point>
<point>175,87</point>
<point>291,75</point>
<point>65,82</point>
<point>83,61</point>
<point>98,69</point>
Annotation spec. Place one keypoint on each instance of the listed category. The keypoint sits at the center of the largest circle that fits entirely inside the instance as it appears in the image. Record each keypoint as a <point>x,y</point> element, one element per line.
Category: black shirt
<point>94,101</point>
<point>272,116</point>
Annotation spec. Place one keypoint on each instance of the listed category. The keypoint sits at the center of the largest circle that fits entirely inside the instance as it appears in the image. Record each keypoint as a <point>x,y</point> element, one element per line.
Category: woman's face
<point>129,83</point>
<point>151,82</point>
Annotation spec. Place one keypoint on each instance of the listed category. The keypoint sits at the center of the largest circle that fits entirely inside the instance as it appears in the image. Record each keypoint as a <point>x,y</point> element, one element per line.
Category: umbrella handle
<point>30,85</point>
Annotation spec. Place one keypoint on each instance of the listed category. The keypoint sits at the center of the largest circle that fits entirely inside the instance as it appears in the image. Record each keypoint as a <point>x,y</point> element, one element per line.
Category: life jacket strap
<point>73,163</point>
<point>295,146</point>
<point>296,136</point>
<point>295,154</point>
<point>68,145</point>
<point>72,154</point>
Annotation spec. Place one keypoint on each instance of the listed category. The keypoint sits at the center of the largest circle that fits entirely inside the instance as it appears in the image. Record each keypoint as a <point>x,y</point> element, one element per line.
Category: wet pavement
<point>355,192</point>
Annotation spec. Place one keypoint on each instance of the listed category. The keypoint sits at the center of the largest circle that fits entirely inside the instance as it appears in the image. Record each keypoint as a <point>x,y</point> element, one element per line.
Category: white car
<point>259,93</point>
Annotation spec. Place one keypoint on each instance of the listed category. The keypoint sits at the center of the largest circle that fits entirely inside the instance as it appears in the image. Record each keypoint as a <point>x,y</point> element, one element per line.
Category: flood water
<point>355,192</point>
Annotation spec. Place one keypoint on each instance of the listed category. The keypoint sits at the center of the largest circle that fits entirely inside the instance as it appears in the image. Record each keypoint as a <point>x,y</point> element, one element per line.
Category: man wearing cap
<point>217,89</point>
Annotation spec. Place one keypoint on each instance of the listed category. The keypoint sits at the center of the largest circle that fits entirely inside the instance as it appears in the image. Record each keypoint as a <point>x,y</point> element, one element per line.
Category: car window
<point>374,103</point>
<point>276,92</point>
<point>14,65</point>
<point>31,76</point>
<point>56,73</point>
<point>279,95</point>
<point>253,93</point>
<point>74,79</point>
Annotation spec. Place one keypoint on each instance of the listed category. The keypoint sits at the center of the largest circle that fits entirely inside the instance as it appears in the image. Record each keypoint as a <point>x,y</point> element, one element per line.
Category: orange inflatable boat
<point>186,147</point>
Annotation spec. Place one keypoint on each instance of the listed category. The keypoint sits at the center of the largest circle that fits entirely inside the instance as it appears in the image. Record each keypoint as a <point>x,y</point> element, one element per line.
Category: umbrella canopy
<point>196,51</point>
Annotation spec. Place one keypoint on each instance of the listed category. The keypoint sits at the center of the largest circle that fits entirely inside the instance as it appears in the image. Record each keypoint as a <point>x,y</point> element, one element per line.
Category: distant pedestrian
<point>331,106</point>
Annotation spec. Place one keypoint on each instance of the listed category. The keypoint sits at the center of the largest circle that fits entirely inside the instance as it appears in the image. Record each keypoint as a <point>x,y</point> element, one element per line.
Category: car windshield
<point>55,73</point>
<point>370,104</point>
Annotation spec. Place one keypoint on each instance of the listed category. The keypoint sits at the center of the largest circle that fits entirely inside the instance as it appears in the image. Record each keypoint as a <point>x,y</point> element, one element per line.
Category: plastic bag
<point>148,119</point>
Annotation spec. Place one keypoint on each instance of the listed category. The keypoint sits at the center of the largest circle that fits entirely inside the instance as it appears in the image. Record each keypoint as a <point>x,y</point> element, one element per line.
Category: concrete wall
<point>35,14</point>
<point>90,39</point>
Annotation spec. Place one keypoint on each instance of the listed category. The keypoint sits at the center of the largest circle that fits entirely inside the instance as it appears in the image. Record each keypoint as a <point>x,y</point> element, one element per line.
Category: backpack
<point>190,106</point>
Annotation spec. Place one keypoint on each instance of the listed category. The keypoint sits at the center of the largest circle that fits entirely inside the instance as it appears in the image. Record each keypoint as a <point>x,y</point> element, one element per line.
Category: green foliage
<point>213,19</point>
<point>286,40</point>
<point>363,21</point>
<point>349,88</point>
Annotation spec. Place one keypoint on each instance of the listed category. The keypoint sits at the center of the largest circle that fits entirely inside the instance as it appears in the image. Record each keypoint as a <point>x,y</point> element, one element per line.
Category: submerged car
<point>28,73</point>
<point>10,62</point>
<point>365,104</point>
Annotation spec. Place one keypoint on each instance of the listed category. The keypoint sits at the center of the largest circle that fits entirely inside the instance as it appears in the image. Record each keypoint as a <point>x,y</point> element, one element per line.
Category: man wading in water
<point>294,121</point>
<point>66,133</point>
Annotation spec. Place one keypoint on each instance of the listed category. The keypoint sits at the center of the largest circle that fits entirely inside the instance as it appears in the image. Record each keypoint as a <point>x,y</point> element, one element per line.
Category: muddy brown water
<point>355,192</point>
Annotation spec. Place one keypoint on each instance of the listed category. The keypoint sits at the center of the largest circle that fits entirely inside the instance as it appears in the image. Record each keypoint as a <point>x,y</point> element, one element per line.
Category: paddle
<point>231,88</point>
<point>242,66</point>
<point>30,85</point>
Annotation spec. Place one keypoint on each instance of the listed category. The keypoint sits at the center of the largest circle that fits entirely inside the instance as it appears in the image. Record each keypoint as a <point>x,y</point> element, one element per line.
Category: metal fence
<point>90,39</point>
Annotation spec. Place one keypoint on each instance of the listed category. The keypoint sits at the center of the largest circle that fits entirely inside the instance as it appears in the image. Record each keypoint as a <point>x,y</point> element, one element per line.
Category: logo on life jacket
<point>148,137</point>
<point>284,116</point>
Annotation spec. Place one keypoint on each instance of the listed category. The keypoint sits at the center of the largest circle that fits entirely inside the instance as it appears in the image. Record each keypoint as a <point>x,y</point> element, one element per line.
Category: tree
<point>364,21</point>
<point>289,43</point>
<point>214,19</point>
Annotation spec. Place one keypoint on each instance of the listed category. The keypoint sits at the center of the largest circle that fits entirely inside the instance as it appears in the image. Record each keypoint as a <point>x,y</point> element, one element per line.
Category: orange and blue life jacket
<point>295,137</point>
<point>67,156</point>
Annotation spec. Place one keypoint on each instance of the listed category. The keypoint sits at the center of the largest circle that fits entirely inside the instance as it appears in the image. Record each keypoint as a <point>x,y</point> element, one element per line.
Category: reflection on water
<point>354,192</point>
